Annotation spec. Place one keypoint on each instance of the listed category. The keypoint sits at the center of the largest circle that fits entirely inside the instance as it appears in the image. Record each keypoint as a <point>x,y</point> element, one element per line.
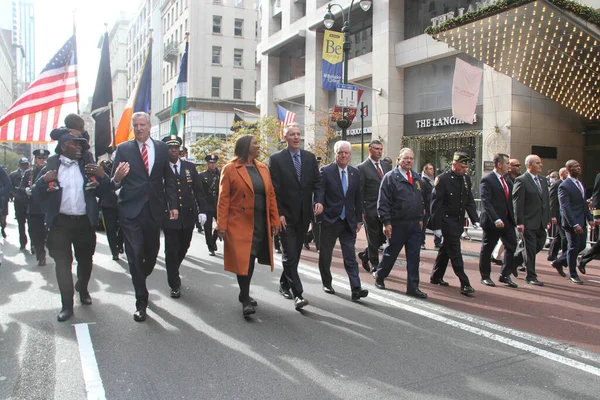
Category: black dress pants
<point>534,243</point>
<point>114,234</point>
<point>450,251</point>
<point>375,238</point>
<point>292,239</point>
<point>211,239</point>
<point>21,217</point>
<point>142,243</point>
<point>489,241</point>
<point>177,243</point>
<point>329,235</point>
<point>70,233</point>
<point>38,233</point>
<point>559,242</point>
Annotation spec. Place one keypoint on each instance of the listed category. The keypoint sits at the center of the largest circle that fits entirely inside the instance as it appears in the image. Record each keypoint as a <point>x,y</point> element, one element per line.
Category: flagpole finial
<point>106,26</point>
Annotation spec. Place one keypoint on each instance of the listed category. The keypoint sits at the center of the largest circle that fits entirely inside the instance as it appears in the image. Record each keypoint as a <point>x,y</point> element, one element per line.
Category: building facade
<point>23,42</point>
<point>6,68</point>
<point>117,43</point>
<point>407,80</point>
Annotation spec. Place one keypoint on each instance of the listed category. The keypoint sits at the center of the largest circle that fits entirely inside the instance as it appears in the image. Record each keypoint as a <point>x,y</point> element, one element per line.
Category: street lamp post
<point>329,21</point>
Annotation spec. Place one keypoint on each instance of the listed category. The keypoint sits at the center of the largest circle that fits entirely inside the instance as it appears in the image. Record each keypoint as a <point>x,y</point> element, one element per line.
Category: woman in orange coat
<point>247,216</point>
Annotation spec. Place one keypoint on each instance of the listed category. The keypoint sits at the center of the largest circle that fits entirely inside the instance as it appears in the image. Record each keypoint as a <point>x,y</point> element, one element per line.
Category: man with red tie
<point>497,221</point>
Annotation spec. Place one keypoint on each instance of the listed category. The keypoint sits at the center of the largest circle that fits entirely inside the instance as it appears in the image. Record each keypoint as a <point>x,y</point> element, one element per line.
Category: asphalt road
<point>387,346</point>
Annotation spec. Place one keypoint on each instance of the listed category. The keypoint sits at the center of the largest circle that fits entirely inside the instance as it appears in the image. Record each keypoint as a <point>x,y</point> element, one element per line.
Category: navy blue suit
<point>330,194</point>
<point>574,211</point>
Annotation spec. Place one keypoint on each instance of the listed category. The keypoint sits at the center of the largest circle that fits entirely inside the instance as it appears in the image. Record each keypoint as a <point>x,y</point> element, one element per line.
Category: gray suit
<point>532,209</point>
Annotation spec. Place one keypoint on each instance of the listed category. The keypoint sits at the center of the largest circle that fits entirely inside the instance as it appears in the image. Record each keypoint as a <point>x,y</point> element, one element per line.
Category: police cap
<point>211,158</point>
<point>23,160</point>
<point>461,157</point>
<point>42,153</point>
<point>172,140</point>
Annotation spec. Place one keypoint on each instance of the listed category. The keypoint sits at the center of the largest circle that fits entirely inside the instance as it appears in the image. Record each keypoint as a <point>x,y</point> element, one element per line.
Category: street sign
<point>346,96</point>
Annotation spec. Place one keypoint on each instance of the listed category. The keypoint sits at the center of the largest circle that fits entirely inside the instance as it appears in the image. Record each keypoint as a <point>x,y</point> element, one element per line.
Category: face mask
<point>552,181</point>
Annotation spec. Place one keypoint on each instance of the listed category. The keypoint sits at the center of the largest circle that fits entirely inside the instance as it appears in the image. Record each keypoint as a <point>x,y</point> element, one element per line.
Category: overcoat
<point>235,215</point>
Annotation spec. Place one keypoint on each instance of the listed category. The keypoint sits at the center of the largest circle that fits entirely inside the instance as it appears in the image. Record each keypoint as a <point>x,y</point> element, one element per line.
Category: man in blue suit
<point>338,195</point>
<point>574,211</point>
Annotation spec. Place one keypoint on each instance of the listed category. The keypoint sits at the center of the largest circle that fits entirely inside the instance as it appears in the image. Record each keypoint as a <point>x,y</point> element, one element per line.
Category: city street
<point>387,346</point>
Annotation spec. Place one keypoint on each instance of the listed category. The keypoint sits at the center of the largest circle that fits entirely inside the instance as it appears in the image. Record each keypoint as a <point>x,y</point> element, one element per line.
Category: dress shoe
<point>176,293</point>
<point>358,293</point>
<point>3,233</point>
<point>32,250</point>
<point>423,247</point>
<point>488,282</point>
<point>581,266</point>
<point>307,246</point>
<point>286,293</point>
<point>416,293</point>
<point>85,298</point>
<point>496,261</point>
<point>558,268</point>
<point>253,302</point>
<point>515,273</point>
<point>22,248</point>
<point>300,302</point>
<point>115,257</point>
<point>534,282</point>
<point>121,249</point>
<point>42,262</point>
<point>139,315</point>
<point>211,253</point>
<point>248,309</point>
<point>467,290</point>
<point>576,280</point>
<point>64,315</point>
<point>438,246</point>
<point>507,281</point>
<point>522,269</point>
<point>328,289</point>
<point>364,260</point>
<point>440,282</point>
<point>278,250</point>
<point>379,283</point>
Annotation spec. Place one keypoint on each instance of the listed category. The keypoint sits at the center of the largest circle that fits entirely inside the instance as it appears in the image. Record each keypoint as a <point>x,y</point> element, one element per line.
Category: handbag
<point>521,251</point>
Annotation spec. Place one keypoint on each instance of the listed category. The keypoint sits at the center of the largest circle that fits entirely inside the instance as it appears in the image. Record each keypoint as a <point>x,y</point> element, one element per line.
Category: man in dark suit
<point>591,253</point>
<point>372,171</point>
<point>20,199</point>
<point>191,204</point>
<point>209,180</point>
<point>71,215</point>
<point>427,178</point>
<point>575,212</point>
<point>559,239</point>
<point>295,177</point>
<point>35,209</point>
<point>110,212</point>
<point>147,187</point>
<point>498,222</point>
<point>532,211</point>
<point>339,196</point>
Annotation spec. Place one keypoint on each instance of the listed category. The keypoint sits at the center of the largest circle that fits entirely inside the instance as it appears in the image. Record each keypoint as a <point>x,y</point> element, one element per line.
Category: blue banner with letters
<point>333,57</point>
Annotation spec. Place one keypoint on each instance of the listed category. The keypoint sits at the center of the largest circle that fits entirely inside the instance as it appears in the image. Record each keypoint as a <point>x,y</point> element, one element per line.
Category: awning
<point>550,46</point>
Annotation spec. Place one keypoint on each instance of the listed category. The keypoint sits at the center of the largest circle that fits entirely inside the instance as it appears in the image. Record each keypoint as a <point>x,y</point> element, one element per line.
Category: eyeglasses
<point>515,165</point>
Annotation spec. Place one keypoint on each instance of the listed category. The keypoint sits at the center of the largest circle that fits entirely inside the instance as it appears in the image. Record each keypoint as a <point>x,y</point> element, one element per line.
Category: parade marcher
<point>295,177</point>
<point>532,211</point>
<point>178,233</point>
<point>36,211</point>
<point>497,222</point>
<point>71,215</point>
<point>110,212</point>
<point>513,173</point>
<point>76,125</point>
<point>247,216</point>
<point>452,196</point>
<point>5,191</point>
<point>591,253</point>
<point>558,240</point>
<point>427,179</point>
<point>372,171</point>
<point>575,212</point>
<point>339,195</point>
<point>314,233</point>
<point>210,186</point>
<point>20,199</point>
<point>400,208</point>
<point>147,188</point>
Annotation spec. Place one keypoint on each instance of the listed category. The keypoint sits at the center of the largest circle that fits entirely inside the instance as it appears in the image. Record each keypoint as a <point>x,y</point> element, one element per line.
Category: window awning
<point>551,46</point>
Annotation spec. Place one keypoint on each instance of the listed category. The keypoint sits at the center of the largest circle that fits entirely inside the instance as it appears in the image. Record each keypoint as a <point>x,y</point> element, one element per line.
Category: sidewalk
<point>559,310</point>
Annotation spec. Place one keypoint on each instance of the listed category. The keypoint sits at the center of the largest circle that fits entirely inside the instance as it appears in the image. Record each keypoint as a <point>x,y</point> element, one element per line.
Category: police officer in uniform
<point>210,187</point>
<point>110,212</point>
<point>451,197</point>
<point>35,210</point>
<point>20,198</point>
<point>178,233</point>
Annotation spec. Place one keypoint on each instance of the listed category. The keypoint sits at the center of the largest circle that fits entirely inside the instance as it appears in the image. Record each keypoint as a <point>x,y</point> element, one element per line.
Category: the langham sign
<point>460,11</point>
<point>443,121</point>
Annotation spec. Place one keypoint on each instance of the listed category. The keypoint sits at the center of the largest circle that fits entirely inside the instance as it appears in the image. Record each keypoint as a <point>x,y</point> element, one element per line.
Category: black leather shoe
<point>23,248</point>
<point>417,293</point>
<point>85,299</point>
<point>379,283</point>
<point>278,250</point>
<point>300,302</point>
<point>42,262</point>
<point>115,257</point>
<point>328,289</point>
<point>121,249</point>
<point>139,316</point>
<point>576,280</point>
<point>286,293</point>
<point>364,261</point>
<point>507,281</point>
<point>522,269</point>
<point>211,253</point>
<point>307,246</point>
<point>496,261</point>
<point>467,290</point>
<point>581,266</point>
<point>3,233</point>
<point>440,282</point>
<point>534,282</point>
<point>253,302</point>
<point>176,293</point>
<point>359,293</point>
<point>32,250</point>
<point>558,268</point>
<point>248,309</point>
<point>515,272</point>
<point>488,282</point>
<point>64,315</point>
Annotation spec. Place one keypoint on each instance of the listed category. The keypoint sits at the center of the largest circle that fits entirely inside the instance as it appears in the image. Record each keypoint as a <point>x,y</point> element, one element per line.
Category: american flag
<point>31,118</point>
<point>285,116</point>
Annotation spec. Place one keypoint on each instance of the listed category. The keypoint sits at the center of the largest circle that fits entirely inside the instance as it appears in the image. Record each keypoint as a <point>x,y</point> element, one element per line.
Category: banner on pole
<point>465,90</point>
<point>333,57</point>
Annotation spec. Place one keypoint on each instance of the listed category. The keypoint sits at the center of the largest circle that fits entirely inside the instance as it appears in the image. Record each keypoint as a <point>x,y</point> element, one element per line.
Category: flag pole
<point>111,105</point>
<point>77,77</point>
<point>187,41</point>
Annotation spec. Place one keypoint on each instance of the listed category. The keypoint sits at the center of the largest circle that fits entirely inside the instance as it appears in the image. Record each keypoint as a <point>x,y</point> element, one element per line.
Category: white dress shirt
<point>70,180</point>
<point>150,150</point>
<point>178,164</point>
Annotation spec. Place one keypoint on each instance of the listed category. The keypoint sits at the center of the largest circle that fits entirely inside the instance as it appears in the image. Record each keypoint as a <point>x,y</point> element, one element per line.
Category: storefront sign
<point>488,166</point>
<point>445,121</point>
<point>461,11</point>
<point>354,132</point>
<point>441,121</point>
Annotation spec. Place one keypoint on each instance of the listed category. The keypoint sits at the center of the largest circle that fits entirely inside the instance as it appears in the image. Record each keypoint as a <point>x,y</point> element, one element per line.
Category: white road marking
<point>591,280</point>
<point>89,365</point>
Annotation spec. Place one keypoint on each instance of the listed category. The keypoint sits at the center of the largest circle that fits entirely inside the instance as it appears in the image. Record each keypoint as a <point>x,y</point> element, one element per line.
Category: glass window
<point>216,55</point>
<point>237,57</point>
<point>216,87</point>
<point>238,29</point>
<point>237,89</point>
<point>217,23</point>
<point>418,15</point>
<point>239,3</point>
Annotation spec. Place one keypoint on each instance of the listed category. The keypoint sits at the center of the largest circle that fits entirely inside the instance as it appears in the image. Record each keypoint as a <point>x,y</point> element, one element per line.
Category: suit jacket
<point>369,185</point>
<point>51,200</point>
<point>109,200</point>
<point>190,196</point>
<point>554,204</point>
<point>137,187</point>
<point>494,202</point>
<point>532,208</point>
<point>331,195</point>
<point>294,199</point>
<point>573,206</point>
<point>596,197</point>
<point>427,191</point>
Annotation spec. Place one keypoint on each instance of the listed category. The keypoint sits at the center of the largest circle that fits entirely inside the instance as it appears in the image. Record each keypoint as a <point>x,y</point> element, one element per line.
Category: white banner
<point>465,90</point>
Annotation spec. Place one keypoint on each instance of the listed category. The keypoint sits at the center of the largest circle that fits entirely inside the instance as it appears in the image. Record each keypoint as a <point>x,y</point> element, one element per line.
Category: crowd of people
<point>145,186</point>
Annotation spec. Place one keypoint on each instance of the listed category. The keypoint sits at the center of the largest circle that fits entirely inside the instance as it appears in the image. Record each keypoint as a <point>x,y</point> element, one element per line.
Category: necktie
<point>175,169</point>
<point>297,166</point>
<point>579,187</point>
<point>379,171</point>
<point>505,187</point>
<point>410,179</point>
<point>537,182</point>
<point>345,189</point>
<point>145,157</point>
